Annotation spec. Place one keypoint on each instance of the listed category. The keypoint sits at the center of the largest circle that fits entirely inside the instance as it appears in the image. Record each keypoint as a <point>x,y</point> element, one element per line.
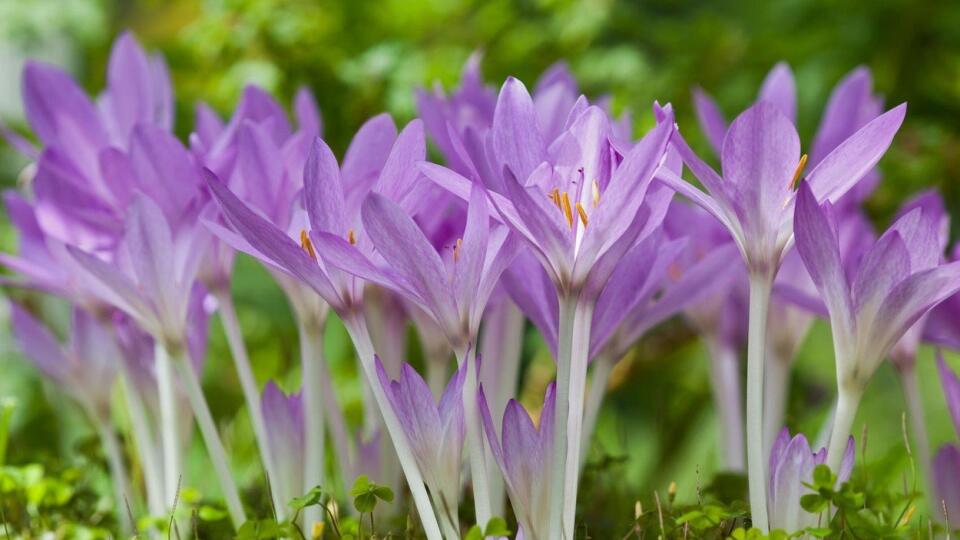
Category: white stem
<point>437,362</point>
<point>823,435</point>
<point>118,472</point>
<point>313,330</point>
<point>602,368</point>
<point>558,468</point>
<point>211,439</point>
<point>847,401</point>
<point>357,328</point>
<point>776,393</point>
<point>311,387</point>
<point>760,288</point>
<point>921,442</point>
<point>447,514</point>
<point>725,383</point>
<point>476,448</point>
<point>238,349</point>
<point>580,355</point>
<point>144,441</point>
<point>170,434</point>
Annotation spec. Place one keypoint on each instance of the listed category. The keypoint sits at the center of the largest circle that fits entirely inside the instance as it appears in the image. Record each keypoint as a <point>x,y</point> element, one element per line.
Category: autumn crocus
<point>283,414</point>
<point>524,453</point>
<point>754,199</point>
<point>436,433</point>
<point>791,469</point>
<point>333,207</point>
<point>946,464</point>
<point>85,370</point>
<point>898,280</point>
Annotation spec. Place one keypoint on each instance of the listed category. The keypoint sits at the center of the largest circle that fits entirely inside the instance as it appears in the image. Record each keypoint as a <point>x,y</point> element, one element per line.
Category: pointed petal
<point>365,158</point>
<point>307,113</point>
<point>37,343</point>
<point>323,191</point>
<point>468,264</point>
<point>712,123</point>
<point>856,156</point>
<point>129,87</point>
<point>517,141</point>
<point>780,89</point>
<point>883,267</point>
<point>850,106</point>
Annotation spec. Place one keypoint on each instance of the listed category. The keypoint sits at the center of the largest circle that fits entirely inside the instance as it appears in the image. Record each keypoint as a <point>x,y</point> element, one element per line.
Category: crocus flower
<point>791,466</point>
<point>524,452</point>
<point>436,433</point>
<point>946,464</point>
<point>899,280</point>
<point>285,428</point>
<point>942,327</point>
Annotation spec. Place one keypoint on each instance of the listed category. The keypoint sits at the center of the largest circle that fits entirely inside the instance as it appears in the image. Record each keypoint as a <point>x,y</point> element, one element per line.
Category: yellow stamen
<point>582,213</point>
<point>307,245</point>
<point>456,250</point>
<point>351,237</point>
<point>799,172</point>
<point>555,197</point>
<point>596,193</point>
<point>567,210</point>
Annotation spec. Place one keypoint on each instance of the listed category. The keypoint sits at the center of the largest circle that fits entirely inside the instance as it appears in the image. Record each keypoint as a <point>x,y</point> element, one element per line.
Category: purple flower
<point>946,464</point>
<point>85,369</point>
<point>524,452</point>
<point>435,431</point>
<point>942,327</point>
<point>283,415</point>
<point>791,466</point>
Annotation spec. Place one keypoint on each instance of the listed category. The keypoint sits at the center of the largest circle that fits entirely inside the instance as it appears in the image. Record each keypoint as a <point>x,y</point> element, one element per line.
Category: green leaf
<point>813,503</point>
<point>819,532</point>
<point>365,502</point>
<point>474,533</point>
<point>311,498</point>
<point>211,513</point>
<point>360,485</point>
<point>823,478</point>
<point>383,493</point>
<point>497,526</point>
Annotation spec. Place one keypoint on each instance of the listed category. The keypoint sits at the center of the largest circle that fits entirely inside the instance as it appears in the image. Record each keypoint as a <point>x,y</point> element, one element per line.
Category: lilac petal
<point>846,465</point>
<point>503,249</point>
<point>856,156</point>
<point>850,107</point>
<point>129,87</point>
<point>461,187</point>
<point>307,114</point>
<point>908,301</point>
<point>786,485</point>
<point>517,141</point>
<point>924,226</point>
<point>884,266</point>
<point>259,107</point>
<point>400,172</point>
<point>338,253</point>
<point>541,223</point>
<point>403,245</point>
<point>323,191</point>
<point>760,155</point>
<point>207,124</point>
<point>951,390</point>
<point>817,243</point>
<point>163,93</point>
<point>150,250</point>
<point>531,289</point>
<point>521,448</point>
<point>491,431</point>
<point>365,158</point>
<point>164,169</point>
<point>621,200</point>
<point>19,142</point>
<point>946,471</point>
<point>420,406</point>
<point>259,170</point>
<point>712,123</point>
<point>38,344</point>
<point>54,103</point>
<point>272,242</point>
<point>780,89</point>
<point>472,251</point>
<point>112,286</point>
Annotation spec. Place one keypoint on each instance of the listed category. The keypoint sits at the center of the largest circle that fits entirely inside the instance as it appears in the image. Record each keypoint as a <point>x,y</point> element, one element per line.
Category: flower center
<point>562,200</point>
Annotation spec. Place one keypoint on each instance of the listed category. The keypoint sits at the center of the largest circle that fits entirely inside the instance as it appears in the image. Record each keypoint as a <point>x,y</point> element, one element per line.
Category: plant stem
<point>211,439</point>
<point>170,435</point>
<point>558,468</point>
<point>476,448</point>
<point>776,392</point>
<point>311,387</point>
<point>847,401</point>
<point>238,349</point>
<point>437,371</point>
<point>602,368</point>
<point>118,472</point>
<point>760,289</point>
<point>357,328</point>
<point>579,358</point>
<point>144,442</point>
<point>911,394</point>
<point>725,383</point>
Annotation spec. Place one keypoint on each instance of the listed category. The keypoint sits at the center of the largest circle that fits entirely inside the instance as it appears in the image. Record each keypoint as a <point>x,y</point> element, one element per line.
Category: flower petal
<point>712,123</point>
<point>951,390</point>
<point>780,89</point>
<point>517,141</point>
<point>323,190</point>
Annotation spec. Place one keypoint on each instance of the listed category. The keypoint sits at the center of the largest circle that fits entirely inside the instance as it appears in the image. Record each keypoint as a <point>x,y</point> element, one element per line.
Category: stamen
<point>799,172</point>
<point>555,197</point>
<point>582,213</point>
<point>307,245</point>
<point>596,193</point>
<point>456,250</point>
<point>351,237</point>
<point>567,210</point>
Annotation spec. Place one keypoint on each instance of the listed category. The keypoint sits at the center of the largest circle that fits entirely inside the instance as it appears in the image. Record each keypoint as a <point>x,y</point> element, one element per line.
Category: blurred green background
<point>361,58</point>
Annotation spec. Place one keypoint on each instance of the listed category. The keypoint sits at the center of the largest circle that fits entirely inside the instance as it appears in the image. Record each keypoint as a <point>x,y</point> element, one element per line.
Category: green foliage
<point>496,527</point>
<point>34,499</point>
<point>366,493</point>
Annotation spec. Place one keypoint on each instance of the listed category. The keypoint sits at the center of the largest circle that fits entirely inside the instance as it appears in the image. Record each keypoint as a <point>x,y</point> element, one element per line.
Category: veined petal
<point>528,284</point>
<point>307,113</point>
<point>398,179</point>
<point>883,267</point>
<point>780,89</point>
<point>402,244</point>
<point>338,253</point>
<point>951,390</point>
<point>817,243</point>
<point>113,287</point>
<point>130,84</point>
<point>323,191</point>
<point>365,158</point>
<point>517,141</point>
<point>856,156</point>
<point>150,251</point>
<point>469,256</point>
<point>848,109</point>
